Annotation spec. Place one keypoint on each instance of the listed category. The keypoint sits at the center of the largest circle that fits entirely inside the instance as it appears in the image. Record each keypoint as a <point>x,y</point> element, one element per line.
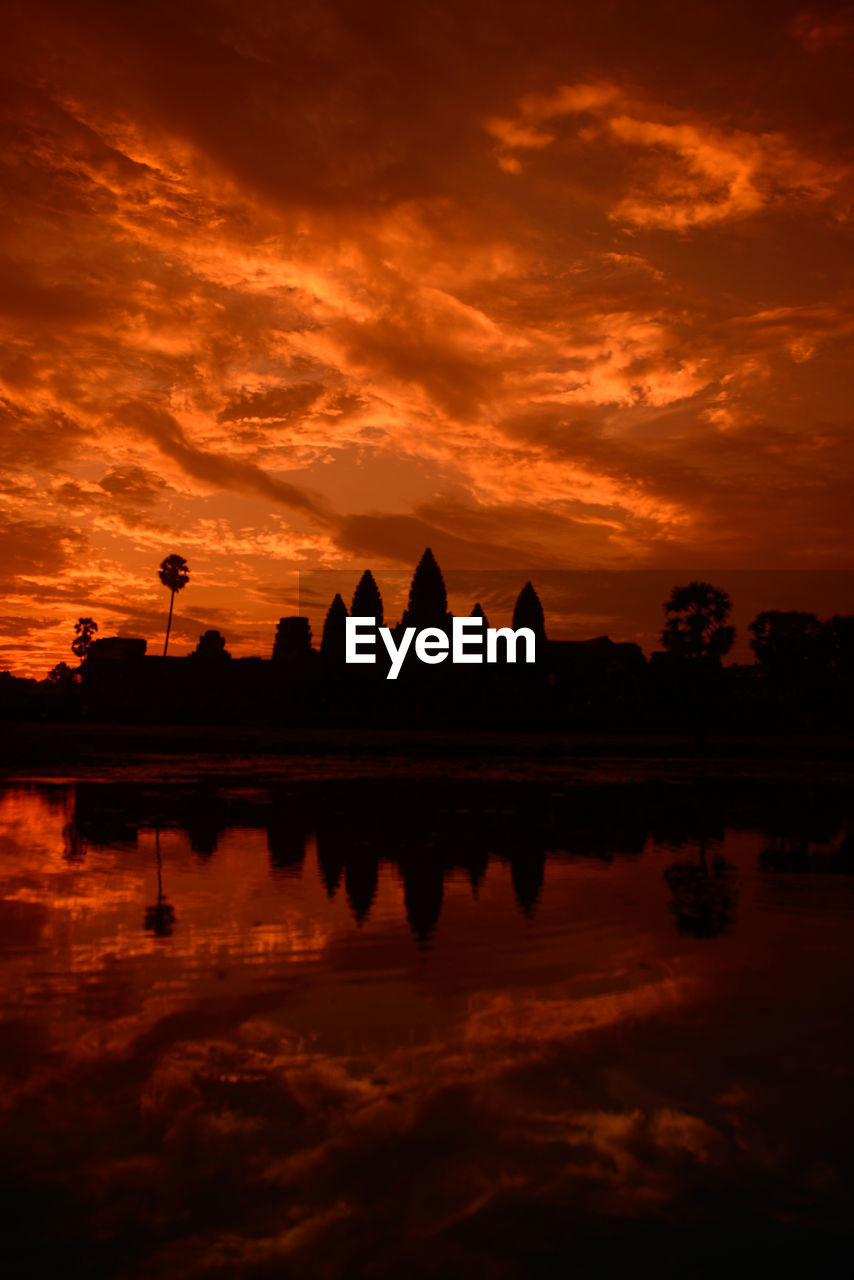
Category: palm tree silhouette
<point>175,575</point>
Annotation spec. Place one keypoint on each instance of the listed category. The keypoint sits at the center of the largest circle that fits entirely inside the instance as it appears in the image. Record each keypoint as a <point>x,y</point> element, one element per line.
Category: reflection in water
<point>527,868</point>
<point>160,918</point>
<point>394,1029</point>
<point>361,874</point>
<point>799,853</point>
<point>704,896</point>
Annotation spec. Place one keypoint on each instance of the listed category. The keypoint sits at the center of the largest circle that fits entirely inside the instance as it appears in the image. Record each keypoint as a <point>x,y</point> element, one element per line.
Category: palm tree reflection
<point>160,918</point>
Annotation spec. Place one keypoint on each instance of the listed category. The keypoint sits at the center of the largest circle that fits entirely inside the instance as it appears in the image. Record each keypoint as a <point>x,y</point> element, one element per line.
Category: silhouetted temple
<point>303,684</point>
<point>804,677</point>
<point>428,600</point>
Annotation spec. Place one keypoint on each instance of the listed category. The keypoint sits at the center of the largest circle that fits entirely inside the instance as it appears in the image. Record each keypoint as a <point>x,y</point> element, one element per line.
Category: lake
<point>404,1027</point>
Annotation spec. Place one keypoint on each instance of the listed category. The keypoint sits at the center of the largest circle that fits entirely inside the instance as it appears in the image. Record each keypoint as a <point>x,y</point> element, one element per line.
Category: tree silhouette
<point>477,612</point>
<point>428,600</point>
<point>696,625</point>
<point>839,638</point>
<point>62,676</point>
<point>528,612</point>
<point>175,575</point>
<point>84,630</point>
<point>787,642</point>
<point>367,601</point>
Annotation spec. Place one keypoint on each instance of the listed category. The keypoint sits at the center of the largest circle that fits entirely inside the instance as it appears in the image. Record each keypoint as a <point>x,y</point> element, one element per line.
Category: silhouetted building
<point>293,640</point>
<point>528,612</point>
<point>332,641</point>
<point>428,599</point>
<point>211,647</point>
<point>114,677</point>
<point>117,649</point>
<point>367,601</point>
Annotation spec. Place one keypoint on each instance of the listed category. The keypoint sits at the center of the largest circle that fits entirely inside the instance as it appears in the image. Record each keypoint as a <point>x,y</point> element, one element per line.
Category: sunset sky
<point>293,285</point>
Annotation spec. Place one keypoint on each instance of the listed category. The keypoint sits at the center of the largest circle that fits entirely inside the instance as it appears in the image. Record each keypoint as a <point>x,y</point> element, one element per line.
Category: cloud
<point>166,432</point>
<point>278,404</point>
<point>313,288</point>
<point>695,173</point>
<point>133,484</point>
<point>403,538</point>
<point>718,176</point>
<point>33,436</point>
<point>35,550</point>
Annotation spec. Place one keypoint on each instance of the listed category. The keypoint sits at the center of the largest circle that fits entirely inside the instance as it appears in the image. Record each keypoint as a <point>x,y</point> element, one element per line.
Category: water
<point>421,1028</point>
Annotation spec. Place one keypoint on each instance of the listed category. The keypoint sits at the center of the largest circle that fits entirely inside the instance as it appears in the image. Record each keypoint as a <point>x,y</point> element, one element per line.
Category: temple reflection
<point>361,876</point>
<point>352,834</point>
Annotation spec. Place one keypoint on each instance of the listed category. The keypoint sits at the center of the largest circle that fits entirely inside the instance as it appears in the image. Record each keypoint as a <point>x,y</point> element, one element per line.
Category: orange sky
<point>290,286</point>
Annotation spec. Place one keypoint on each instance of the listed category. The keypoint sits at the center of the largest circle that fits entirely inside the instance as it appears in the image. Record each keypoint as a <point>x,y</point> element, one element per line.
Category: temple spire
<point>332,642</point>
<point>428,599</point>
<point>367,601</point>
<point>528,612</point>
